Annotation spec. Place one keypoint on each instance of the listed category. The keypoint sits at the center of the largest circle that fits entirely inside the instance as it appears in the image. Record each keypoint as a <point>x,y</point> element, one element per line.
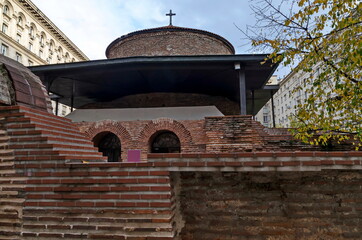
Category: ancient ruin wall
<point>290,205</point>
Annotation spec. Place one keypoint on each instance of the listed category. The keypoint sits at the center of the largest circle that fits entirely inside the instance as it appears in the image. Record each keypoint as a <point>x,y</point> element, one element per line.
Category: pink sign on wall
<point>134,156</point>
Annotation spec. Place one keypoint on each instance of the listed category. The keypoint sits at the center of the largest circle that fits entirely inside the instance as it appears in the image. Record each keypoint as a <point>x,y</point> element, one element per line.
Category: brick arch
<point>109,126</point>
<point>114,127</point>
<point>165,124</point>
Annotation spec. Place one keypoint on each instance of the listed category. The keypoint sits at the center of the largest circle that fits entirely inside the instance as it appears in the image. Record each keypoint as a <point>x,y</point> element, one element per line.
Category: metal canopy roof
<point>110,79</point>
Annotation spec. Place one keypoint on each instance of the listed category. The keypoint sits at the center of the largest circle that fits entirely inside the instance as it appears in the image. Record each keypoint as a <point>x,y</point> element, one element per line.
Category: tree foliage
<point>323,40</point>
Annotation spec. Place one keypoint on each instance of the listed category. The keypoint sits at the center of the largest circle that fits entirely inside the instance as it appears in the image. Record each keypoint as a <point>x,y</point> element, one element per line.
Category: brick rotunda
<point>169,41</point>
<point>162,145</point>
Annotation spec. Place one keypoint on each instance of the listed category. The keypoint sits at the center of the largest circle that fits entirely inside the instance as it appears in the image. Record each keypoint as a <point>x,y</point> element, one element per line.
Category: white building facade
<point>291,93</point>
<point>29,37</point>
<point>265,115</point>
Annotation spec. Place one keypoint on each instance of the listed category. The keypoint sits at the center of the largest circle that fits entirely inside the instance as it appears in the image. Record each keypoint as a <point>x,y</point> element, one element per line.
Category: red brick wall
<point>297,205</point>
<point>11,189</point>
<point>137,134</point>
<point>55,185</point>
<point>232,134</point>
<point>228,134</point>
<point>106,201</point>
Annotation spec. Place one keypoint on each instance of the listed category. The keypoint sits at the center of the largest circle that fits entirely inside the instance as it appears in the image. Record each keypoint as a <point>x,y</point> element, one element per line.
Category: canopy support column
<point>272,107</point>
<point>56,106</point>
<point>253,103</point>
<point>242,87</point>
<point>72,97</point>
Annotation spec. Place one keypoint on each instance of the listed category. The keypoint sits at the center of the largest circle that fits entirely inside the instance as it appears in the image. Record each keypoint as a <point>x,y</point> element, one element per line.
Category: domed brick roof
<point>19,86</point>
<point>169,41</point>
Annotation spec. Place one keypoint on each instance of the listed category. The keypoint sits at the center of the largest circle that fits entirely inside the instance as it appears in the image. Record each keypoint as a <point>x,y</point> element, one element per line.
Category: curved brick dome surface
<point>19,86</point>
<point>169,41</point>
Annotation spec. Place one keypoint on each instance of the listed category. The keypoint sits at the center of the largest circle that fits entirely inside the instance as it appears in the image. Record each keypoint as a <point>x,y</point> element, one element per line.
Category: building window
<point>6,10</point>
<point>18,57</point>
<point>42,41</point>
<point>30,47</point>
<point>20,21</point>
<point>66,57</point>
<point>40,53</point>
<point>265,118</point>
<point>18,38</point>
<point>4,28</point>
<point>30,63</point>
<point>4,50</point>
<point>51,48</point>
<point>31,32</point>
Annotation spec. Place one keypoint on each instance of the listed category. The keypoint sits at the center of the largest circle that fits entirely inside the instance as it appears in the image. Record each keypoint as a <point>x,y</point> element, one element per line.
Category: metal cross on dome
<point>170,14</point>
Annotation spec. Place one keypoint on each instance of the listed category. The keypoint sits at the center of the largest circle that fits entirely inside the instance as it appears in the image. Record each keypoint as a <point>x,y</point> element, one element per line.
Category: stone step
<point>146,197</point>
<point>71,141</point>
<point>47,126</point>
<point>21,117</point>
<point>54,158</point>
<point>6,165</point>
<point>51,152</point>
<point>9,158</point>
<point>44,133</point>
<point>24,132</point>
<point>79,148</point>
<point>52,146</point>
<point>6,152</point>
<point>7,172</point>
<point>147,215</point>
<point>27,125</point>
<point>40,113</point>
<point>49,140</point>
<point>4,144</point>
<point>2,132</point>
<point>61,122</point>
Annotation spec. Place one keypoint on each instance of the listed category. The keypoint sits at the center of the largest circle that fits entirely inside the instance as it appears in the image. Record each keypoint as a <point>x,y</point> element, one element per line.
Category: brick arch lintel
<point>113,127</point>
<point>164,124</point>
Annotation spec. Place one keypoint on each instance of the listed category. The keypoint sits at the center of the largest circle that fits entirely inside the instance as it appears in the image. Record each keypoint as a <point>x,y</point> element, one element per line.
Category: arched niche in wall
<point>42,39</point>
<point>7,8</point>
<point>32,31</point>
<point>109,144</point>
<point>165,142</point>
<point>21,20</point>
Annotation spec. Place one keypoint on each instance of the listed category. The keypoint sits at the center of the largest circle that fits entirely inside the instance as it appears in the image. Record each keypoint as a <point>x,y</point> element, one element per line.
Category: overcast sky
<point>93,24</point>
